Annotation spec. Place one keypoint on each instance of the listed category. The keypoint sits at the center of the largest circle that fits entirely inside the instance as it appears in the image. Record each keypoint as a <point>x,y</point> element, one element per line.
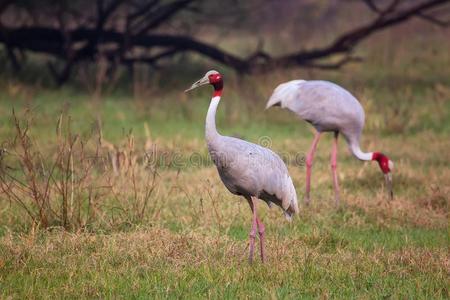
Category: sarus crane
<point>247,169</point>
<point>329,108</point>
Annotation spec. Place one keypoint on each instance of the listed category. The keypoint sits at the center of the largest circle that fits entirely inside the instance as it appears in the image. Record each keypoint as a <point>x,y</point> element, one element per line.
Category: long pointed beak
<point>198,83</point>
<point>388,178</point>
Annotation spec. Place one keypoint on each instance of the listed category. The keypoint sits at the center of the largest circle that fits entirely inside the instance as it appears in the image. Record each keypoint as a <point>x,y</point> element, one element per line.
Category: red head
<point>211,77</point>
<point>386,166</point>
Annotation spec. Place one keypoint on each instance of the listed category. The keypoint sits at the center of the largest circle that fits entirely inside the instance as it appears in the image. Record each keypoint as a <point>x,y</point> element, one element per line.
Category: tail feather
<point>284,93</point>
<point>273,101</point>
<point>292,205</point>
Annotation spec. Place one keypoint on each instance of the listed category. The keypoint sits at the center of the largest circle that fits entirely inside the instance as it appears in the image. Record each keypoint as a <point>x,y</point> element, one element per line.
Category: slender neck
<point>383,161</point>
<point>210,127</point>
<point>356,150</point>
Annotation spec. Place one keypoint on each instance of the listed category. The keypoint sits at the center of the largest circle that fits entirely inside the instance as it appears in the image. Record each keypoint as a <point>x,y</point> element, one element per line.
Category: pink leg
<point>309,162</point>
<point>334,166</point>
<point>261,230</point>
<point>252,202</point>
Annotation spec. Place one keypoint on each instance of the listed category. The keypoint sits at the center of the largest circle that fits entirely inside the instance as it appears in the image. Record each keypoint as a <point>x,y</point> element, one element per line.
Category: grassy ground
<point>188,237</point>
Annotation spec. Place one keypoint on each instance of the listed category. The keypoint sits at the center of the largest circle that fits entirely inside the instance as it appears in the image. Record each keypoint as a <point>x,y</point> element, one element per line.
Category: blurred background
<point>97,137</point>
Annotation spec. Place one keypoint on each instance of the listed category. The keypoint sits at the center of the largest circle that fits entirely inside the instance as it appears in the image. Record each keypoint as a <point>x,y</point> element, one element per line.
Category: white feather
<point>285,93</point>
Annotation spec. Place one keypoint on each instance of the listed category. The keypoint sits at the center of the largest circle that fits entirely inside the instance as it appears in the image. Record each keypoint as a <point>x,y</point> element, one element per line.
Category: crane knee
<point>261,229</point>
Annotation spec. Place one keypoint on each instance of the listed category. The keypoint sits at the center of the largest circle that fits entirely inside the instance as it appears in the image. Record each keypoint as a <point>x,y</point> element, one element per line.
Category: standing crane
<point>329,108</point>
<point>247,169</point>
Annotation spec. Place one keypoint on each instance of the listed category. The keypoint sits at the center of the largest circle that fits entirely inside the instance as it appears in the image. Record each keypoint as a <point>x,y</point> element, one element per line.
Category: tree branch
<point>333,66</point>
<point>103,14</point>
<point>163,14</point>
<point>347,41</point>
<point>370,4</point>
<point>433,20</point>
<point>142,10</point>
<point>85,41</point>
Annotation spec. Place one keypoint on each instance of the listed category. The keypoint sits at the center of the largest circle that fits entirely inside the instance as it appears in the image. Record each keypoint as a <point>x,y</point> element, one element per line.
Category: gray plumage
<point>327,106</point>
<point>248,169</point>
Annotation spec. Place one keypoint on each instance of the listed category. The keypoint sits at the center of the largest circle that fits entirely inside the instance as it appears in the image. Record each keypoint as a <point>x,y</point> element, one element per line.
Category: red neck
<point>382,160</point>
<point>217,93</point>
<point>218,87</point>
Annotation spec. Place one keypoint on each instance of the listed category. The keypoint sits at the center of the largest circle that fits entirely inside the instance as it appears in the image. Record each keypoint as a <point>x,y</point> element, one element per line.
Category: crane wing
<point>285,93</point>
<point>326,105</point>
<point>251,170</point>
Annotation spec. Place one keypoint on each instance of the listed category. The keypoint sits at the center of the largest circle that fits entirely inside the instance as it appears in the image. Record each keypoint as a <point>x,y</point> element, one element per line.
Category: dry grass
<point>189,241</point>
<point>142,213</point>
<point>143,217</point>
<point>162,263</point>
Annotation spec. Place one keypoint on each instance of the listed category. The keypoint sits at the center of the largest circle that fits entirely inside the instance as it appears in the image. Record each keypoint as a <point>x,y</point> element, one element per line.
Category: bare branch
<point>333,66</point>
<point>82,42</point>
<point>142,10</point>
<point>104,13</point>
<point>347,41</point>
<point>433,20</point>
<point>370,4</point>
<point>163,14</point>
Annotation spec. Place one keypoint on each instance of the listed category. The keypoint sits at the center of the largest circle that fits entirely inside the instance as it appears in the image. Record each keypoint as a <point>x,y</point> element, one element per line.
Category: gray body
<point>250,170</point>
<point>327,106</point>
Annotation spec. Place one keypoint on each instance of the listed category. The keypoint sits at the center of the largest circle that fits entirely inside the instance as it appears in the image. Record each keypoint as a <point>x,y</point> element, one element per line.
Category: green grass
<point>191,239</point>
<point>162,264</point>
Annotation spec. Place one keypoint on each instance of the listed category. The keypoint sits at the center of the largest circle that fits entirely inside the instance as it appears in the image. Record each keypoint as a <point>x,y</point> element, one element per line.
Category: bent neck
<point>356,150</point>
<point>383,161</point>
<point>210,126</point>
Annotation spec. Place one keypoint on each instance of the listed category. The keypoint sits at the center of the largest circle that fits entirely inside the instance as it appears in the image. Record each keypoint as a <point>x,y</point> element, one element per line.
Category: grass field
<point>141,212</point>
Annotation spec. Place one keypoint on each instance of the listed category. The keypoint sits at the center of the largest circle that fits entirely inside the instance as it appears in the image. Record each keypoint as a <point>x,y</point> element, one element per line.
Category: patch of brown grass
<point>147,247</point>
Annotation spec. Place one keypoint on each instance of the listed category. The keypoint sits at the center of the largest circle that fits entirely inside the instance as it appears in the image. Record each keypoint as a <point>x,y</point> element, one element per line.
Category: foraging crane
<point>329,108</point>
<point>247,169</point>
